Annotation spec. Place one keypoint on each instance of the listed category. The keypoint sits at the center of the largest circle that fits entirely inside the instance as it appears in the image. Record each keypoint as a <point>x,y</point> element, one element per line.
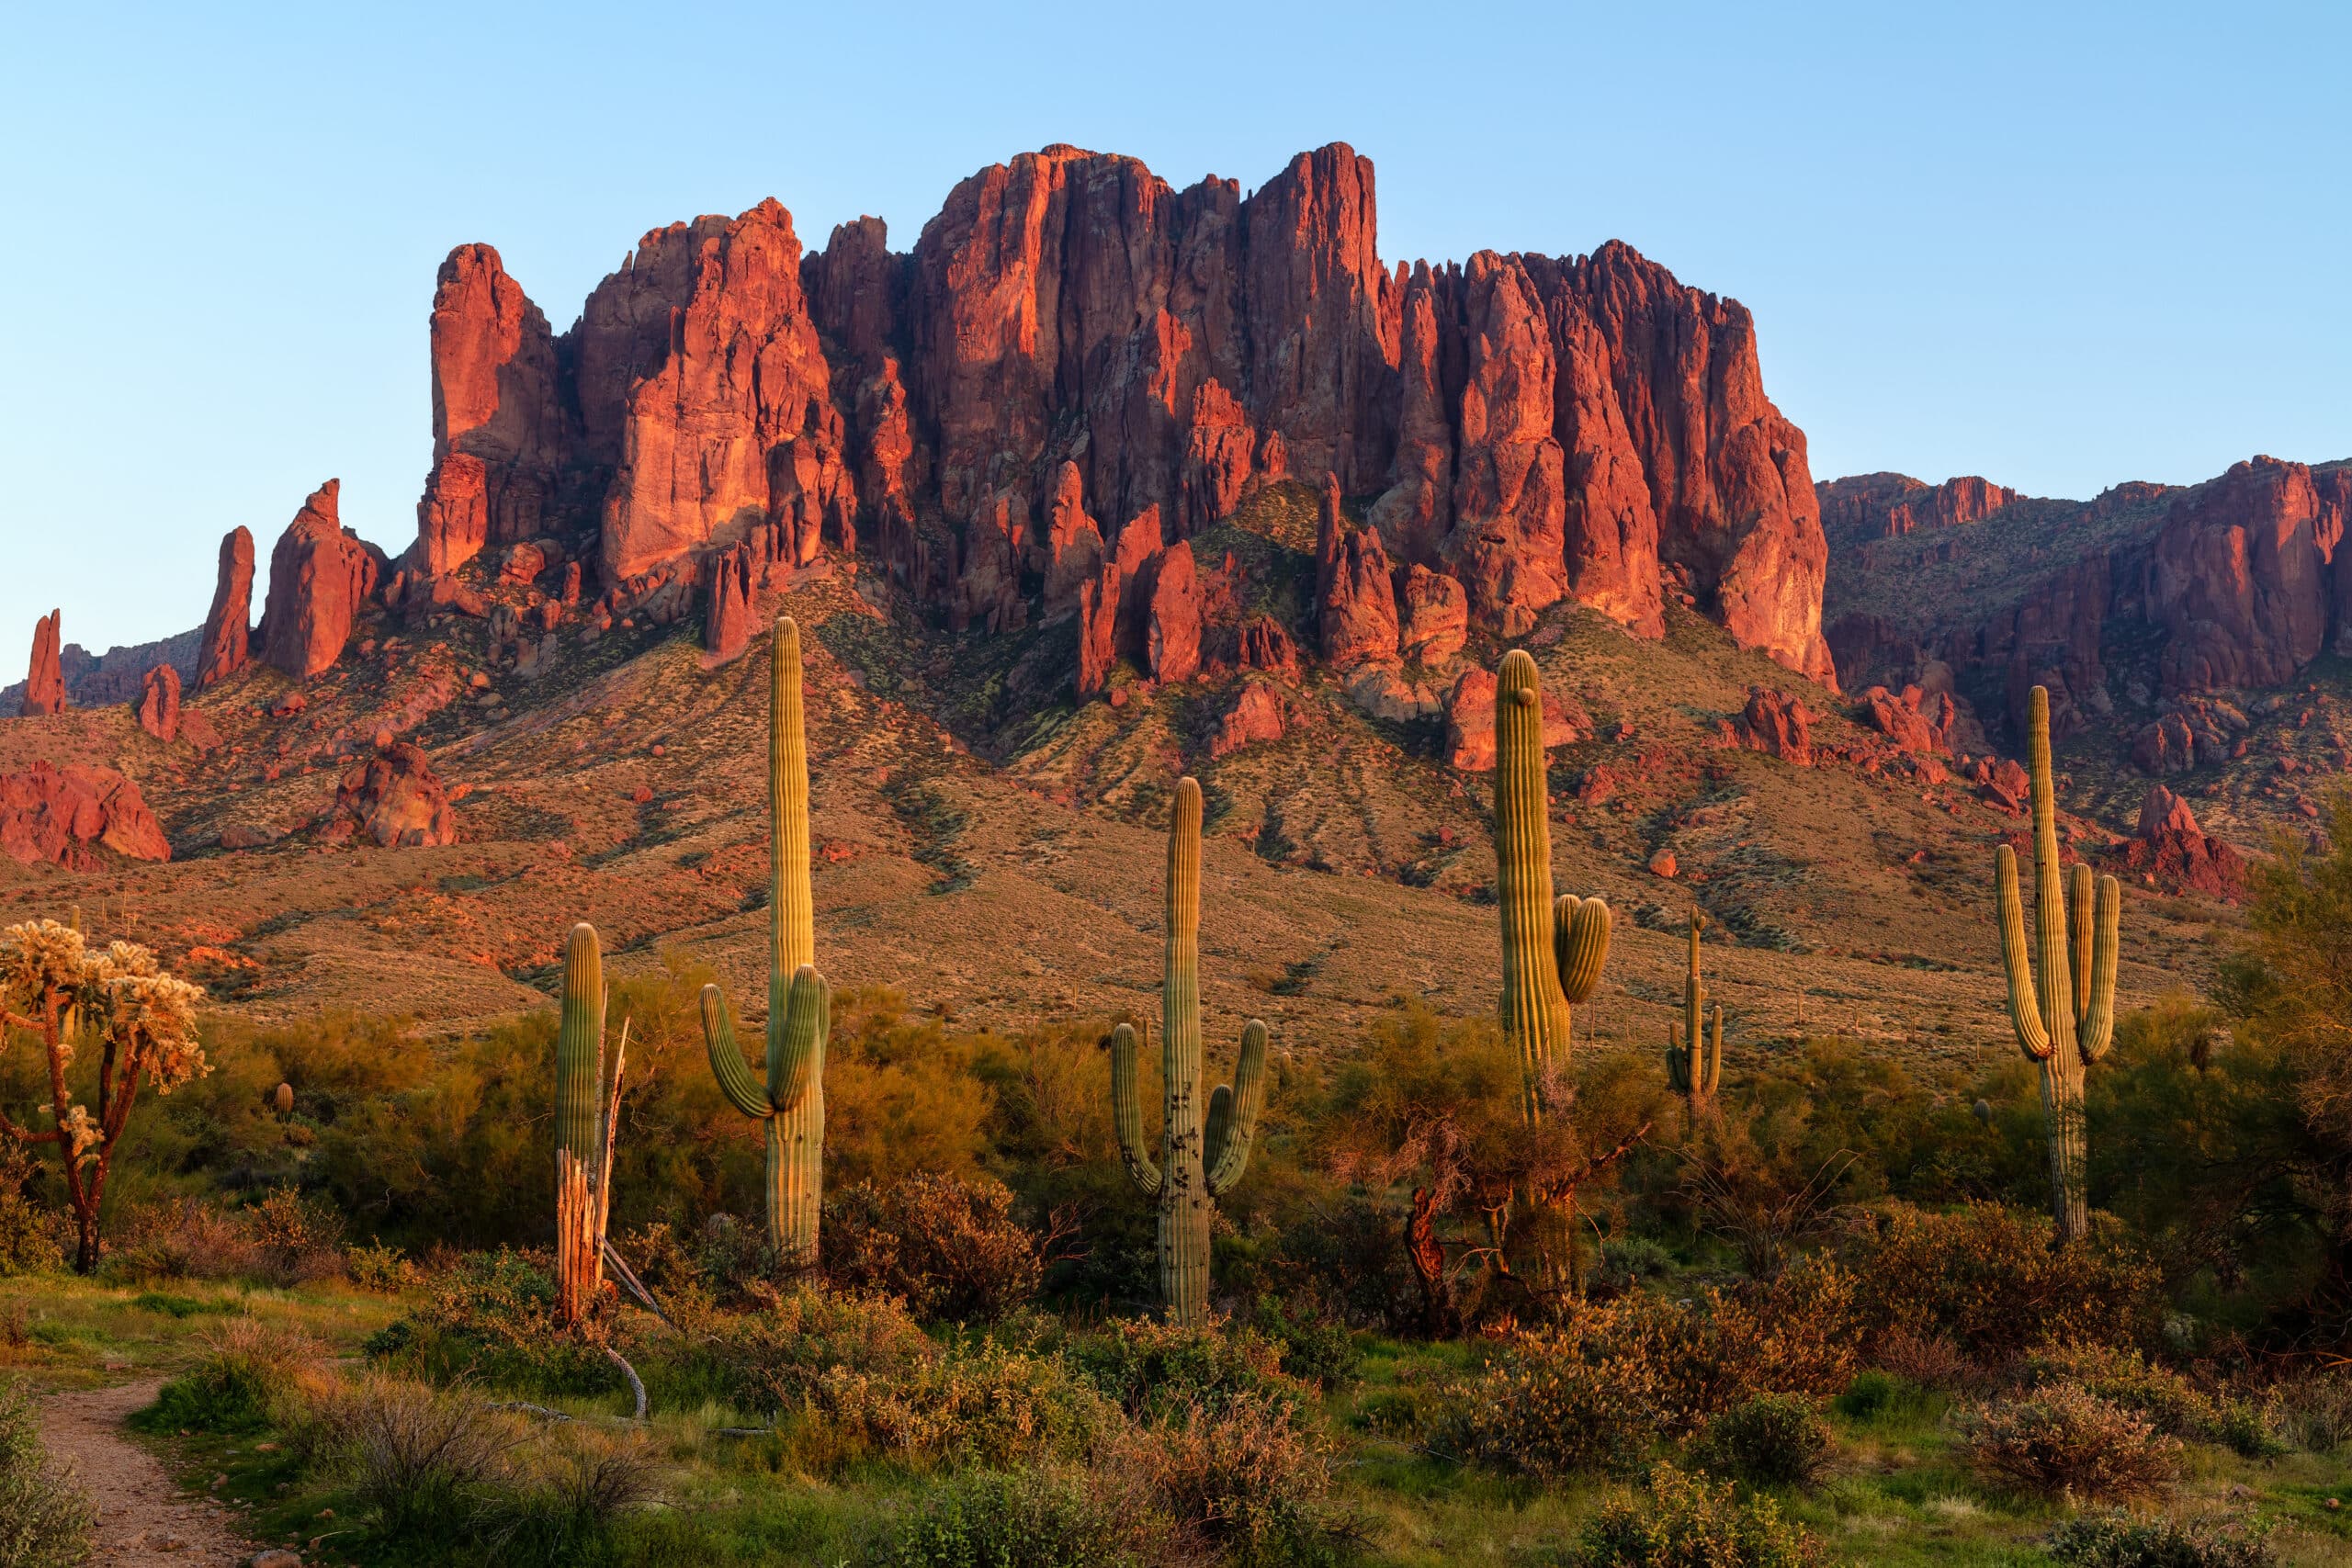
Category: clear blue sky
<point>2058,246</point>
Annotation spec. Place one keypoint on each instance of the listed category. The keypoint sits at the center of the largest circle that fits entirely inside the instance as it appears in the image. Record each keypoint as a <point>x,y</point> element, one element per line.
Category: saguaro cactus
<point>2062,1003</point>
<point>1694,1065</point>
<point>791,1100</point>
<point>1553,949</point>
<point>1198,1162</point>
<point>579,1134</point>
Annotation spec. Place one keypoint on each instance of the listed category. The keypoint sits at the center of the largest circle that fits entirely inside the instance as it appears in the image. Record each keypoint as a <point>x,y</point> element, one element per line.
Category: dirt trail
<point>144,1517</point>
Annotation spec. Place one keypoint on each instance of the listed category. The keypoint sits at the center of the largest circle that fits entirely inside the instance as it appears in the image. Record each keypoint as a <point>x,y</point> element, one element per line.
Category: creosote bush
<point>2064,1439</point>
<point>1987,1277</point>
<point>948,1247</point>
<point>2118,1541</point>
<point>1682,1522</point>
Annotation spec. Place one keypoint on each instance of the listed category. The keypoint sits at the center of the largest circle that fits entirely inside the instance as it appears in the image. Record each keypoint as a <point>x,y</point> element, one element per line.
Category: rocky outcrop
<point>1916,721</point>
<point>1072,551</point>
<point>498,428</point>
<point>1173,626</point>
<point>53,815</point>
<point>2171,852</point>
<point>1098,626</point>
<point>1887,505</point>
<point>2194,730</point>
<point>44,681</point>
<point>1254,714</point>
<point>1434,619</point>
<point>1262,643</point>
<point>159,705</point>
<point>726,619</point>
<point>391,800</point>
<point>321,575</point>
<point>225,645</point>
<point>1355,602</point>
<point>1470,721</point>
<point>1777,725</point>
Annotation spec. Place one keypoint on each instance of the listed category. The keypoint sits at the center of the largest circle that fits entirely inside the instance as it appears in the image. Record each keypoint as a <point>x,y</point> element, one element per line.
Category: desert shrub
<point>2118,1541</point>
<point>1772,1439</point>
<point>1313,1350</point>
<point>2316,1410</point>
<point>1050,1517</point>
<point>775,1358</point>
<point>2171,1404</point>
<point>1682,1522</point>
<point>988,1405</point>
<point>1144,1364</point>
<point>1987,1277</point>
<point>2063,1439</point>
<point>45,1521</point>
<point>30,1239</point>
<point>181,1238</point>
<point>554,1499</point>
<point>243,1382</point>
<point>1243,1474</point>
<point>296,1238</point>
<point>1597,1391</point>
<point>948,1246</point>
<point>1931,1360</point>
<point>421,1458</point>
<point>491,1316</point>
<point>379,1268</point>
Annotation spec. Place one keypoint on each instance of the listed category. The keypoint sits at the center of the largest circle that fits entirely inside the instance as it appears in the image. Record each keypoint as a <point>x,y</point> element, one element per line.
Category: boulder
<point>1777,725</point>
<point>159,704</point>
<point>1254,714</point>
<point>1470,721</point>
<point>392,800</point>
<point>62,817</point>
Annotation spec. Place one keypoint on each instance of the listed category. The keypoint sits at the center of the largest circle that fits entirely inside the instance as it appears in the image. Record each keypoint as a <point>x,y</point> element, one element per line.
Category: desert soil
<point>143,1517</point>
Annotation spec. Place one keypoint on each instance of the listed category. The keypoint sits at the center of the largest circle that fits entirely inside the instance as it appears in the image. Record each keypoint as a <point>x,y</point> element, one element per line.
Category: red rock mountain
<point>1072,342</point>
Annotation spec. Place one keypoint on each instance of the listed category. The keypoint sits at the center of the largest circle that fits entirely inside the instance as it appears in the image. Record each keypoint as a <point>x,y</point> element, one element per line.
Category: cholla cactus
<point>791,1101</point>
<point>1198,1164</point>
<point>1694,1064</point>
<point>2062,1004</point>
<point>1553,948</point>
<point>121,1001</point>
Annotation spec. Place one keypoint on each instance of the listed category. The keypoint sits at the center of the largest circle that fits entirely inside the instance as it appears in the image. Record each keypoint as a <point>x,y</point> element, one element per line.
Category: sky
<point>2058,246</point>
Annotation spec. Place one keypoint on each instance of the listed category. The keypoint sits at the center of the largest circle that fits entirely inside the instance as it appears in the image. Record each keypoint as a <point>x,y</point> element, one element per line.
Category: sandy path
<point>144,1517</point>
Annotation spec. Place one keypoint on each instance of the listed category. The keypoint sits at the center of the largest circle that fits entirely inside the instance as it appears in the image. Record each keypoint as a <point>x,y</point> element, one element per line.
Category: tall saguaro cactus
<point>2062,1003</point>
<point>791,1100</point>
<point>1692,1066</point>
<point>1200,1157</point>
<point>580,1135</point>
<point>1553,949</point>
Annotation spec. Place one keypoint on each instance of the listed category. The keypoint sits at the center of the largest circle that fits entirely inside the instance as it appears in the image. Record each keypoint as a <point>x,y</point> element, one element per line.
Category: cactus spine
<point>1200,1157</point>
<point>791,1101</point>
<point>1694,1065</point>
<point>1553,949</point>
<point>579,1098</point>
<point>2062,1003</point>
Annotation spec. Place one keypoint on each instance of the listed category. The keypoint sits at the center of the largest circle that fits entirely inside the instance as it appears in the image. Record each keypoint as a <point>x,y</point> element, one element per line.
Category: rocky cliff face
<point>44,683</point>
<point>1071,341</point>
<point>2147,597</point>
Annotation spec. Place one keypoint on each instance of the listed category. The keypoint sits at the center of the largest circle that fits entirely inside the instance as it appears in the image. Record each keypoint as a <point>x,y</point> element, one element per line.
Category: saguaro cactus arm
<point>1716,1052</point>
<point>2095,1031</point>
<point>727,1064</point>
<point>1580,944</point>
<point>798,1037</point>
<point>1233,1113</point>
<point>1127,1113</point>
<point>2025,1008</point>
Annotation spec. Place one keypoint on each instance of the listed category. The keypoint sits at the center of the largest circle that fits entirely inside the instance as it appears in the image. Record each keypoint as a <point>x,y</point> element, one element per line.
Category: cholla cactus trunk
<point>791,1100</point>
<point>579,1100</point>
<point>2061,1003</point>
<point>1204,1144</point>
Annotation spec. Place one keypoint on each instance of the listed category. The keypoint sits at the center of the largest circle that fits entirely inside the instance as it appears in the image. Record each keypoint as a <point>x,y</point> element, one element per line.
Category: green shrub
<point>172,1307</point>
<point>1684,1523</point>
<point>1555,1404</point>
<point>948,1246</point>
<point>1989,1278</point>
<point>776,1358</point>
<point>45,1521</point>
<point>1145,1364</point>
<point>1773,1439</point>
<point>491,1317</point>
<point>379,1268</point>
<point>2064,1439</point>
<point>30,1239</point>
<point>1876,1393</point>
<point>1025,1519</point>
<point>988,1405</point>
<point>1313,1350</point>
<point>2173,1405</point>
<point>1243,1474</point>
<point>2116,1540</point>
<point>556,1501</point>
<point>242,1383</point>
<point>423,1461</point>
